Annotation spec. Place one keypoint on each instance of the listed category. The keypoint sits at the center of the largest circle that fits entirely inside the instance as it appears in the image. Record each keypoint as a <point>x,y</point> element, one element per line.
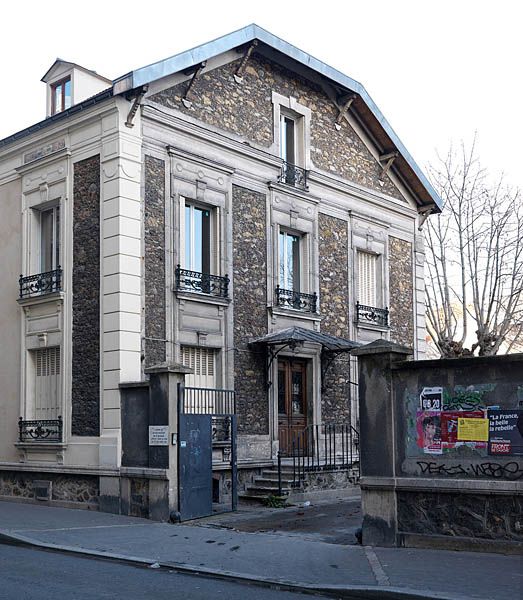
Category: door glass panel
<point>297,393</point>
<point>281,392</point>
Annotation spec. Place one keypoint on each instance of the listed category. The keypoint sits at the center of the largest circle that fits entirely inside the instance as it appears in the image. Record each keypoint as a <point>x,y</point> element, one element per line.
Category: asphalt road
<point>333,522</point>
<point>26,574</point>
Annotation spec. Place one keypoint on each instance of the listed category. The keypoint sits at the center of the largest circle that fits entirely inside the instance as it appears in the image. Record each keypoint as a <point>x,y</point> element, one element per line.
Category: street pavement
<point>217,547</point>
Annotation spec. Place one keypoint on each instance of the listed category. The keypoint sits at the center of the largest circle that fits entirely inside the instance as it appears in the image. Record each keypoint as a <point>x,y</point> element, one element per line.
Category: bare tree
<point>474,268</point>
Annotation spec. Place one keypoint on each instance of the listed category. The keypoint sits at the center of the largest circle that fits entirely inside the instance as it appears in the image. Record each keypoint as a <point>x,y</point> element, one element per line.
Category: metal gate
<point>206,422</point>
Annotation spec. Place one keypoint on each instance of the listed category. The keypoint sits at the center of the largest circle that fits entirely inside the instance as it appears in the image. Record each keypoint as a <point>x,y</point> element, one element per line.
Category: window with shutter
<point>367,269</point>
<point>47,397</point>
<point>202,361</point>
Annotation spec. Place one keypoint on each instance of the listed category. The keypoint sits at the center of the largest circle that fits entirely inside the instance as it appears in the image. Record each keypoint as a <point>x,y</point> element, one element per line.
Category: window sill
<point>201,297</point>
<point>371,326</point>
<point>291,312</point>
<point>41,299</point>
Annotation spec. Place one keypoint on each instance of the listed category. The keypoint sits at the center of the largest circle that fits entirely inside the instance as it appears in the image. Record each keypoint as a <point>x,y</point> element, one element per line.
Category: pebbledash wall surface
<point>444,464</point>
<point>119,166</point>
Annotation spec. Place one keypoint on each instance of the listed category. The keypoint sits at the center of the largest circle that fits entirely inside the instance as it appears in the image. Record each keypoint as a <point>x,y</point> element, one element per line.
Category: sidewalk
<point>341,570</point>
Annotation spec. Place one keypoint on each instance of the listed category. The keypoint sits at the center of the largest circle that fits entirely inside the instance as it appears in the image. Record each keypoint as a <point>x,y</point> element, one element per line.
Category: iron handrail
<point>40,284</point>
<point>40,430</point>
<point>372,314</point>
<point>296,300</point>
<point>202,283</point>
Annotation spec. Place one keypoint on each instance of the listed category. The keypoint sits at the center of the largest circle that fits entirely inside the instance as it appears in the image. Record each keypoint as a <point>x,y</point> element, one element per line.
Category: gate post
<point>377,442</point>
<point>163,423</point>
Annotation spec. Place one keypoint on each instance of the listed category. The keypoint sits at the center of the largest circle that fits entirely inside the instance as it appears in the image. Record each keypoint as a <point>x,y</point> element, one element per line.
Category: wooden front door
<point>292,401</point>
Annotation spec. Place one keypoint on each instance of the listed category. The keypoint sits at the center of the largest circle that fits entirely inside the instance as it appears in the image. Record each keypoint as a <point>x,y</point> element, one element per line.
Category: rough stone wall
<point>64,488</point>
<point>401,292</point>
<point>139,501</point>
<point>465,515</point>
<point>334,301</point>
<point>86,298</point>
<point>154,224</point>
<point>246,110</point>
<point>250,309</point>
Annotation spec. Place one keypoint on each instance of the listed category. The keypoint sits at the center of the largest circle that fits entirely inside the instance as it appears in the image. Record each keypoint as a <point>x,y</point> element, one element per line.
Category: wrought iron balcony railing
<point>40,430</point>
<point>371,314</point>
<point>293,175</point>
<point>41,284</point>
<point>296,300</point>
<point>202,283</point>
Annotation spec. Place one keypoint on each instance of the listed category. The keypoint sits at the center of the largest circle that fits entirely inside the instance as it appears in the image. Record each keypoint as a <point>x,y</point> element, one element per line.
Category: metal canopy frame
<point>331,347</point>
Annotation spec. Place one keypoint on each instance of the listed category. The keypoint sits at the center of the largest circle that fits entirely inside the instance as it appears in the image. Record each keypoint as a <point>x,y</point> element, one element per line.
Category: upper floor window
<point>61,95</point>
<point>49,239</point>
<point>289,259</point>
<point>367,271</point>
<point>287,139</point>
<point>369,306</point>
<point>196,234</point>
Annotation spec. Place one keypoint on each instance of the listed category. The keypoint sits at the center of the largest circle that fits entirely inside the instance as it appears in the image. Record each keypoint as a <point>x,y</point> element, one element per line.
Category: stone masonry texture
<point>154,223</point>
<point>86,298</point>
<point>250,309</point>
<point>401,292</point>
<point>465,515</point>
<point>334,300</point>
<point>64,488</point>
<point>246,110</point>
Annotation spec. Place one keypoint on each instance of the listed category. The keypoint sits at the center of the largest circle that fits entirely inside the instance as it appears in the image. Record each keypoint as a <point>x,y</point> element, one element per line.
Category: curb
<point>355,592</point>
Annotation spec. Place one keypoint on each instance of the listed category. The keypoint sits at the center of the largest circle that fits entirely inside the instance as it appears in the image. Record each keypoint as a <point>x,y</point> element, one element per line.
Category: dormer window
<point>61,95</point>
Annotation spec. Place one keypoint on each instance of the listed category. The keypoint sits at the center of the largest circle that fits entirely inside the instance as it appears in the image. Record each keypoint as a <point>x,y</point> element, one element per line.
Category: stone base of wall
<point>70,491</point>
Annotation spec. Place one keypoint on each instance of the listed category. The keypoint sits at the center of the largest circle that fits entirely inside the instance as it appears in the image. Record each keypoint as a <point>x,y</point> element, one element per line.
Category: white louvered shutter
<point>367,266</point>
<point>47,401</point>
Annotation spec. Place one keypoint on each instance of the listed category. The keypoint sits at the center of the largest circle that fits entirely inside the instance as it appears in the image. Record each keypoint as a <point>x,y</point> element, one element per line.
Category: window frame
<point>61,83</point>
<point>378,301</point>
<point>213,247</point>
<point>56,245</point>
<point>297,262</point>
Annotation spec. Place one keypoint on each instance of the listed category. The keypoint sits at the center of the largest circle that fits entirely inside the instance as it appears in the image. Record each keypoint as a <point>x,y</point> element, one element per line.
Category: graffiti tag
<point>511,470</point>
<point>469,400</point>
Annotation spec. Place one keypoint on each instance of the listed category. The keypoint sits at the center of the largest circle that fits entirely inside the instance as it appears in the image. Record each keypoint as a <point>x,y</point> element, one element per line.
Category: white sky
<point>439,71</point>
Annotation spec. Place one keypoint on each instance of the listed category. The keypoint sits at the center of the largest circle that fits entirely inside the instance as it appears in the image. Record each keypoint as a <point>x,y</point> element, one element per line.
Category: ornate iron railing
<point>293,175</point>
<point>371,314</point>
<point>326,447</point>
<point>202,283</point>
<point>296,300</point>
<point>41,284</point>
<point>40,430</point>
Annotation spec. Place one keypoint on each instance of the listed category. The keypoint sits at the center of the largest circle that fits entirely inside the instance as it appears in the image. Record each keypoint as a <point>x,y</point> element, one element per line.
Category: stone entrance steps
<point>266,485</point>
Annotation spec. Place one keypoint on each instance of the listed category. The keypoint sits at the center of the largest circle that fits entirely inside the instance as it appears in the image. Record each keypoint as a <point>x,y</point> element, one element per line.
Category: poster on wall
<point>428,425</point>
<point>431,398</point>
<point>506,431</point>
<point>450,437</point>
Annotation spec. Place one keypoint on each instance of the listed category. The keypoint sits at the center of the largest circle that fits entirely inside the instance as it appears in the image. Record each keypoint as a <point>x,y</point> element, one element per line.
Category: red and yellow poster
<point>453,435</point>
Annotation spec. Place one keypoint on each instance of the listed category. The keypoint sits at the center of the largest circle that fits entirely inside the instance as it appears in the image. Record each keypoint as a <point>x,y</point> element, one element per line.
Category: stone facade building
<point>178,214</point>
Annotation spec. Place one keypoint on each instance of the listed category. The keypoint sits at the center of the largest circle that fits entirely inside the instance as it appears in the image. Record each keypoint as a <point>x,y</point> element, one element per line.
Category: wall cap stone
<point>168,368</point>
<point>462,486</point>
<point>467,361</point>
<point>382,347</point>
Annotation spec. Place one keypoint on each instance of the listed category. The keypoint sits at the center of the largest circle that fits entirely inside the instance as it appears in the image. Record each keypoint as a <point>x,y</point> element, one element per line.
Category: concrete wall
<point>452,492</point>
<point>10,316</point>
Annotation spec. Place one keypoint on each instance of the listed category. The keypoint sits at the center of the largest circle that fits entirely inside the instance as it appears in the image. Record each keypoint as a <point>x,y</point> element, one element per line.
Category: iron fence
<point>208,401</point>
<point>326,447</point>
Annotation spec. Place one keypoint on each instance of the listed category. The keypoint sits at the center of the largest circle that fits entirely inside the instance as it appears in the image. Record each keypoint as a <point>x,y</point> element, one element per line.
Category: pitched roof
<point>364,107</point>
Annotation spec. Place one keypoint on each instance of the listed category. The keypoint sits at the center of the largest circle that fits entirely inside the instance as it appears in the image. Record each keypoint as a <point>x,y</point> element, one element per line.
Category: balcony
<point>40,430</point>
<point>41,284</point>
<point>293,175</point>
<point>366,315</point>
<point>296,300</point>
<point>201,283</point>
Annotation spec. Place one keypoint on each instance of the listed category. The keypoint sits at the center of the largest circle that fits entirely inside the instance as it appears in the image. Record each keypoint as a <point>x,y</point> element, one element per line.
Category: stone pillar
<point>377,439</point>
<point>163,411</point>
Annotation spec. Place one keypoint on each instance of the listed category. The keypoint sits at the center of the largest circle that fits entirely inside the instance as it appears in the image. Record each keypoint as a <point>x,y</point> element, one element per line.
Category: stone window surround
<point>372,239</point>
<point>292,221</point>
<point>291,107</point>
